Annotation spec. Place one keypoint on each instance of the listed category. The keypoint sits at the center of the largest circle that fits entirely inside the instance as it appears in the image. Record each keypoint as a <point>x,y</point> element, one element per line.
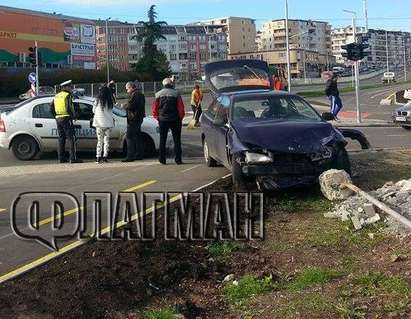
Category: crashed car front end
<point>277,168</point>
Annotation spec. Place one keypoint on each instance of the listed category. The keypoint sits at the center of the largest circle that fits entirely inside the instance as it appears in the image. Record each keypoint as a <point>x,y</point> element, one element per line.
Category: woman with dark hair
<point>103,122</point>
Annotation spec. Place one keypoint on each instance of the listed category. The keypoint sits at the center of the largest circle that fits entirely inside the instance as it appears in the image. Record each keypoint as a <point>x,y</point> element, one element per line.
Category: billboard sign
<point>88,34</point>
<point>82,49</point>
<point>71,32</point>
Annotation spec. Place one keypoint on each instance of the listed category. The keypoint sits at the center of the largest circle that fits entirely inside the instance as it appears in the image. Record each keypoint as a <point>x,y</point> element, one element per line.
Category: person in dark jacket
<point>136,113</point>
<point>168,109</point>
<point>331,90</point>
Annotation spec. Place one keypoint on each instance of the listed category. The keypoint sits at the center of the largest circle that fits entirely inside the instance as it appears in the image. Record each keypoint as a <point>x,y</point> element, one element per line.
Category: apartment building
<point>395,44</point>
<point>304,34</point>
<point>304,63</point>
<point>241,33</point>
<point>188,48</point>
<point>117,40</point>
<point>63,41</point>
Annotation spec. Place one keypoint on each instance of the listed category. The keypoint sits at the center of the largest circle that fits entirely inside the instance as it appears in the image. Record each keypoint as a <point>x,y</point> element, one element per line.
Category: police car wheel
<point>149,148</point>
<point>24,148</point>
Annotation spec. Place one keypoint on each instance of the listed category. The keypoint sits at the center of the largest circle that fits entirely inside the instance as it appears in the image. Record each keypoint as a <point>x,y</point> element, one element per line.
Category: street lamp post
<point>405,58</point>
<point>356,66</point>
<point>287,41</point>
<point>107,61</point>
<point>386,51</point>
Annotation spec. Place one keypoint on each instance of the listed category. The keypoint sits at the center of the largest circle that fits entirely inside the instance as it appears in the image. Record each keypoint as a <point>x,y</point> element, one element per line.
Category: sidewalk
<point>342,122</point>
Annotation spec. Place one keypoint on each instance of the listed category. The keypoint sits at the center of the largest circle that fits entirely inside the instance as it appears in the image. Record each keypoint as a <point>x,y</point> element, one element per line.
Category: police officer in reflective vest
<point>63,110</point>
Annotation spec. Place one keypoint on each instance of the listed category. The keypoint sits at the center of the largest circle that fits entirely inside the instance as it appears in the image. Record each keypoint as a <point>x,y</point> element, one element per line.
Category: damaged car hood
<point>286,136</point>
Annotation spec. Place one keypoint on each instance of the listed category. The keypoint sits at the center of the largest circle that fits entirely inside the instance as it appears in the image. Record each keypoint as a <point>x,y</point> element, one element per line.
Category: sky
<point>390,15</point>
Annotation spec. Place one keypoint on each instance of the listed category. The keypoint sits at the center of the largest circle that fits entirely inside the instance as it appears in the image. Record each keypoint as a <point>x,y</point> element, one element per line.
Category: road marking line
<point>402,135</point>
<point>42,260</point>
<point>75,210</point>
<point>140,186</point>
<point>191,168</point>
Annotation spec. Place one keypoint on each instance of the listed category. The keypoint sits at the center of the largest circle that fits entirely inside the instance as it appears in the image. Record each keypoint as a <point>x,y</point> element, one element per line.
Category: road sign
<point>32,77</point>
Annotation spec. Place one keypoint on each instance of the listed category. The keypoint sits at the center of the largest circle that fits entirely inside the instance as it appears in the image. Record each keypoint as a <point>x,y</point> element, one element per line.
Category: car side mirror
<point>327,116</point>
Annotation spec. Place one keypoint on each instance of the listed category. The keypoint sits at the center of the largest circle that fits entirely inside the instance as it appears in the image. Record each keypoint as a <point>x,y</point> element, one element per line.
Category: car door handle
<point>77,127</point>
<point>38,125</point>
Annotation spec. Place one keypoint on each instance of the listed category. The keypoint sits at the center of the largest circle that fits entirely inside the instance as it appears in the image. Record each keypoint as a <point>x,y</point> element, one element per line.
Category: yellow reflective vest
<point>63,105</point>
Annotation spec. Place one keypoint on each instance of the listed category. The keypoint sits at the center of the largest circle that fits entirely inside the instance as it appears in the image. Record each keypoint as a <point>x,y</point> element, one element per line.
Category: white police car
<point>29,128</point>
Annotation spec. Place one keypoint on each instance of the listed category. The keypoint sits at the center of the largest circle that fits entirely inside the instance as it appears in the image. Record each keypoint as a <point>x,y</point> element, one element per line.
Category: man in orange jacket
<point>196,99</point>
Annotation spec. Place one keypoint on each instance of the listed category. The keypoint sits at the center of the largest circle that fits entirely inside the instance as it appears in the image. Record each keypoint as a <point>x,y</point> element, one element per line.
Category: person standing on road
<point>196,99</point>
<point>103,122</point>
<point>136,113</point>
<point>331,90</point>
<point>64,112</point>
<point>168,109</point>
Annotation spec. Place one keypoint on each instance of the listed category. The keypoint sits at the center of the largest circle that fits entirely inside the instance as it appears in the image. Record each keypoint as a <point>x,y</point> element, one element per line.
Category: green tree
<point>153,66</point>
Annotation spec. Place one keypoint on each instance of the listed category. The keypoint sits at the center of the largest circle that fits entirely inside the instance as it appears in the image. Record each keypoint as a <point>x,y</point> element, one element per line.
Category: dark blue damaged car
<point>275,139</point>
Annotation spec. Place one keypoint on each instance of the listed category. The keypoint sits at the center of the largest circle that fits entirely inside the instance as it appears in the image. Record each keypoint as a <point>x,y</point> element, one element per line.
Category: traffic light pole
<point>357,74</point>
<point>37,69</point>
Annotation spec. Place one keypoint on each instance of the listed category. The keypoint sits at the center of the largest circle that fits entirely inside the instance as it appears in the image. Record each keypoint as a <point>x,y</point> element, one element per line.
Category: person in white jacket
<point>103,122</point>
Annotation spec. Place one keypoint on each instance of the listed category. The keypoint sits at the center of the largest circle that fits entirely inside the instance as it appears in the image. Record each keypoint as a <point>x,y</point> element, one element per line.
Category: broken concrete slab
<point>331,181</point>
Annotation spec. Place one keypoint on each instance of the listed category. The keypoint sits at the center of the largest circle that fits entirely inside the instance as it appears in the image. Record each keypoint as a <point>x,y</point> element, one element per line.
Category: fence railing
<point>148,88</point>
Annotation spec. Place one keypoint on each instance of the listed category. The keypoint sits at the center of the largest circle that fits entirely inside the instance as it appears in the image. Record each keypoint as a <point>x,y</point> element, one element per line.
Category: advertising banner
<point>88,34</point>
<point>82,58</point>
<point>71,32</point>
<point>83,49</point>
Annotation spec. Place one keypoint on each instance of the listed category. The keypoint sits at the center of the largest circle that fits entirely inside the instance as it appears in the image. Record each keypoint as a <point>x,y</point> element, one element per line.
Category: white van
<point>388,77</point>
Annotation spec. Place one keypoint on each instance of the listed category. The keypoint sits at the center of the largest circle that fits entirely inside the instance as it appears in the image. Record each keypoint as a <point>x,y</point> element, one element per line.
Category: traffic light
<point>33,56</point>
<point>355,51</point>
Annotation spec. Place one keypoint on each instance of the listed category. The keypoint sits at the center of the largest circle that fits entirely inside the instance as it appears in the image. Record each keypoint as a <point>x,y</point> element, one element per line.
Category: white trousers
<point>103,141</point>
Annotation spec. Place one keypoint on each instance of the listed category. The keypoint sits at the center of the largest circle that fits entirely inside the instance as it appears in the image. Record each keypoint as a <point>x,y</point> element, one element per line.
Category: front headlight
<point>256,158</point>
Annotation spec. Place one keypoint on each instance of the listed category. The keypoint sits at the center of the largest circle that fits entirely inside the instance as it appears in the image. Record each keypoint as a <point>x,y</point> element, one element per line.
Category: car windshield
<point>240,76</point>
<point>291,108</point>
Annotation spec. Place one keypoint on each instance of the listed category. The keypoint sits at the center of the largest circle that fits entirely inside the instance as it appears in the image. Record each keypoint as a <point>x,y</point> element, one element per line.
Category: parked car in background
<point>275,139</point>
<point>402,116</point>
<point>388,77</point>
<point>29,128</point>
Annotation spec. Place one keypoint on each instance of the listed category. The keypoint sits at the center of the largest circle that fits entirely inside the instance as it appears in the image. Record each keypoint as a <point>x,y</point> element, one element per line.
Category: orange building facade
<point>62,41</point>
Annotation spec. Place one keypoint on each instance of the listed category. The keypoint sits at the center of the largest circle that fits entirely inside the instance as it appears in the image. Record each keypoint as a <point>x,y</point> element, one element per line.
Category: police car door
<point>44,124</point>
<point>85,135</point>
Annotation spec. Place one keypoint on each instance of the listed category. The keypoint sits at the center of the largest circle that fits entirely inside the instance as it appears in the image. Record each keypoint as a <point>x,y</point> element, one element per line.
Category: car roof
<point>257,92</point>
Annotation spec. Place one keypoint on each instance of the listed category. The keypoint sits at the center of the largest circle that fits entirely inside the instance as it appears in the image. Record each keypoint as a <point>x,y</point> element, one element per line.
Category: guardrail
<point>148,88</point>
<point>347,79</point>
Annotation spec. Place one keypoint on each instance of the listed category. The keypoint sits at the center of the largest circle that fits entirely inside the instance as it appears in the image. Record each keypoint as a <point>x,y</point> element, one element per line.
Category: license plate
<point>401,119</point>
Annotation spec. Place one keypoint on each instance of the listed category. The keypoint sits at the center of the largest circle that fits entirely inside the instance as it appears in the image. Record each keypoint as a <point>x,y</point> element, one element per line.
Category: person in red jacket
<point>168,108</point>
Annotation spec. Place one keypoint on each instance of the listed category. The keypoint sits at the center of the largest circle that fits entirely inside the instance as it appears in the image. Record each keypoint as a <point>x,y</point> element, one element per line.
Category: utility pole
<point>386,50</point>
<point>37,68</point>
<point>107,61</point>
<point>287,41</point>
<point>366,14</point>
<point>405,57</point>
<point>356,67</point>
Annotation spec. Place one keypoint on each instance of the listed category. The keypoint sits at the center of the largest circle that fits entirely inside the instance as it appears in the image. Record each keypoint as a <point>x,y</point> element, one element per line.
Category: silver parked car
<point>29,128</point>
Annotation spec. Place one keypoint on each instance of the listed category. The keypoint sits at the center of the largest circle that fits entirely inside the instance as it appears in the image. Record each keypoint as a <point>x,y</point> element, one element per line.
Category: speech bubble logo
<point>45,217</point>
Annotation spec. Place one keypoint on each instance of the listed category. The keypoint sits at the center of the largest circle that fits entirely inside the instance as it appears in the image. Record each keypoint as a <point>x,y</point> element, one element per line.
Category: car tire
<point>239,181</point>
<point>407,128</point>
<point>211,162</point>
<point>24,148</point>
<point>341,161</point>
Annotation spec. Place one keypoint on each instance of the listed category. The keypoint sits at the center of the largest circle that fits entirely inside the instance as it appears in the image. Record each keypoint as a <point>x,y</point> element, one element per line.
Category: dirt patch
<point>125,279</point>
